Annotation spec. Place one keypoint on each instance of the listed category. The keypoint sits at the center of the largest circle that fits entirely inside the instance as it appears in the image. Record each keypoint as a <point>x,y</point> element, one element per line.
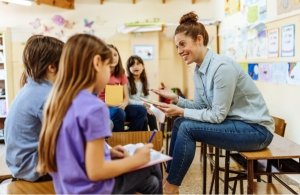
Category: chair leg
<point>241,187</point>
<point>234,187</point>
<point>212,184</point>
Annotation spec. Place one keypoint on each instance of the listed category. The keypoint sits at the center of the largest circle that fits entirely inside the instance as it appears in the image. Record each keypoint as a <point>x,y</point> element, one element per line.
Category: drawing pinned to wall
<point>252,15</point>
<point>231,7</point>
<point>250,49</point>
<point>288,41</point>
<point>89,32</point>
<point>48,29</point>
<point>279,72</point>
<point>146,52</point>
<point>88,24</point>
<point>69,24</point>
<point>294,73</point>
<point>265,72</point>
<point>273,36</point>
<point>244,65</point>
<point>256,10</point>
<point>58,20</point>
<point>261,45</point>
<point>100,21</point>
<point>285,6</point>
<point>35,24</point>
<point>262,14</point>
<point>253,71</point>
<point>59,34</point>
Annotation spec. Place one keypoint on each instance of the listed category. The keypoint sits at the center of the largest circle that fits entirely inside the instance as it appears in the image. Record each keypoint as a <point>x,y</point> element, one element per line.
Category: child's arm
<point>99,169</point>
<point>126,98</point>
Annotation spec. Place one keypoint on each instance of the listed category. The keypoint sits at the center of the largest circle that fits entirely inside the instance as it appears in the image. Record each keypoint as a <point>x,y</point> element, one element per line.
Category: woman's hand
<point>122,105</point>
<point>171,110</point>
<point>118,152</point>
<point>166,92</point>
<point>149,111</point>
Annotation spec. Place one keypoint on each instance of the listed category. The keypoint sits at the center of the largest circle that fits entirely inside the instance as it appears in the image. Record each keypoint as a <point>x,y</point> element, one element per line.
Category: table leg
<point>250,176</point>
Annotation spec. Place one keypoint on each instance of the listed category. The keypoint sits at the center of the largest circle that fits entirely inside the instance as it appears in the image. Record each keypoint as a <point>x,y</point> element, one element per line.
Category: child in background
<point>139,87</point>
<point>72,142</point>
<point>135,114</point>
<point>24,120</point>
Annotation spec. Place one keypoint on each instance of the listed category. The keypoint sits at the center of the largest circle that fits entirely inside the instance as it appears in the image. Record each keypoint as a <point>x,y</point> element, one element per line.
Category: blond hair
<point>76,72</point>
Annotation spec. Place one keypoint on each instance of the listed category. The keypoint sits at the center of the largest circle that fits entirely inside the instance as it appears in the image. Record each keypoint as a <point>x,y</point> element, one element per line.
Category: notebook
<point>113,94</point>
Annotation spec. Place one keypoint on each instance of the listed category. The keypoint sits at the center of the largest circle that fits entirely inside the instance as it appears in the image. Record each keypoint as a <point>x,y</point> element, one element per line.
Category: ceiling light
<point>20,2</point>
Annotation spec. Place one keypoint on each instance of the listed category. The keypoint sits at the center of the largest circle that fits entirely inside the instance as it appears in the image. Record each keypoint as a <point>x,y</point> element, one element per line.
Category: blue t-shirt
<point>22,129</point>
<point>87,119</point>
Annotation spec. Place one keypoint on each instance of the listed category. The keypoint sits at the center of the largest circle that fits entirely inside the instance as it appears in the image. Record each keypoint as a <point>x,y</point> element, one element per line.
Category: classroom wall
<point>106,17</point>
<point>282,99</point>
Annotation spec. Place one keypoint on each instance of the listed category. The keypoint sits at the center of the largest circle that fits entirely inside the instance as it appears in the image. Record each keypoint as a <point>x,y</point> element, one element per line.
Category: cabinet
<point>6,85</point>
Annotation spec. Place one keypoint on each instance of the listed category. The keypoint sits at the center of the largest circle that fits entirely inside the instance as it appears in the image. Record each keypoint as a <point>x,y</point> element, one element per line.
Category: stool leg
<point>241,187</point>
<point>226,173</point>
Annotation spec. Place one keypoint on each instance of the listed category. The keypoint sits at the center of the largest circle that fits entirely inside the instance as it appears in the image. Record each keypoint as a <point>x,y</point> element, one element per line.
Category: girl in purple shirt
<point>72,142</point>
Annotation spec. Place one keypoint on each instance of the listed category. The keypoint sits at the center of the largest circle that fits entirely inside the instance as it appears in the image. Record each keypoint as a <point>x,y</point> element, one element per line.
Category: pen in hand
<point>152,136</point>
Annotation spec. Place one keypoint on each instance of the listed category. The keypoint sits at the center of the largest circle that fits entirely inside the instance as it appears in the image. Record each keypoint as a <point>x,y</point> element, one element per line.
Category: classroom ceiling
<point>69,4</point>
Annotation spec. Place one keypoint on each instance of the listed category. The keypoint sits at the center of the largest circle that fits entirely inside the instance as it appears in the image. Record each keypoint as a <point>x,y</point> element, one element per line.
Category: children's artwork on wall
<point>294,73</point>
<point>252,15</point>
<point>59,34</point>
<point>146,52</point>
<point>244,65</point>
<point>35,24</point>
<point>261,45</point>
<point>250,49</point>
<point>279,72</point>
<point>100,21</point>
<point>58,20</point>
<point>262,13</point>
<point>253,71</point>
<point>48,29</point>
<point>88,24</point>
<point>89,32</point>
<point>69,24</point>
<point>285,6</point>
<point>265,72</point>
<point>273,36</point>
<point>256,10</point>
<point>288,41</point>
<point>231,7</point>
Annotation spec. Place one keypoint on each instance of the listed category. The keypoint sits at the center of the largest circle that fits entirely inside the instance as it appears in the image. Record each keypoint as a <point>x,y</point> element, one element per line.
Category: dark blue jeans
<point>229,135</point>
<point>135,114</point>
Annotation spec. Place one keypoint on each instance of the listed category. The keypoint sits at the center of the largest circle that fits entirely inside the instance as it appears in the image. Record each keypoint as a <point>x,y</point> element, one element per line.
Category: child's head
<point>41,55</point>
<point>136,68</point>
<point>117,62</point>
<point>85,64</point>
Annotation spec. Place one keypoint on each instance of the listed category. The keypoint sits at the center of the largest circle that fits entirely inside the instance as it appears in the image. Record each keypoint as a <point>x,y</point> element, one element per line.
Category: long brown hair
<point>39,52</point>
<point>119,70</point>
<point>130,62</point>
<point>76,73</point>
<point>190,26</point>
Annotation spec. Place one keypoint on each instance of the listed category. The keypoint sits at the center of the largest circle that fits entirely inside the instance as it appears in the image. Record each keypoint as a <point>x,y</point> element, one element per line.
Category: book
<point>155,103</point>
<point>113,94</point>
<point>155,156</point>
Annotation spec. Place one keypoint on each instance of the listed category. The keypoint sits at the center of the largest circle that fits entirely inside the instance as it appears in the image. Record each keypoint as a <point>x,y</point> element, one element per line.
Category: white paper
<point>288,41</point>
<point>279,72</point>
<point>273,42</point>
<point>294,74</point>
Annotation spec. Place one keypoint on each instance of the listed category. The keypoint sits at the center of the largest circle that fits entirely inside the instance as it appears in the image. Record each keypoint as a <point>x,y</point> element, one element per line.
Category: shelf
<point>2,116</point>
<point>2,96</point>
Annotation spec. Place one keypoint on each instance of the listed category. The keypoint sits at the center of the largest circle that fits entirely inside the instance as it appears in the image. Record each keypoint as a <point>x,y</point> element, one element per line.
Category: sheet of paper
<point>279,72</point>
<point>288,41</point>
<point>294,73</point>
<point>265,72</point>
<point>273,42</point>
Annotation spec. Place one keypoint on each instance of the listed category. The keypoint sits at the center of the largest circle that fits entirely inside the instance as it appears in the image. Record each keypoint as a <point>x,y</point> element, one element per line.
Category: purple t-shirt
<point>87,119</point>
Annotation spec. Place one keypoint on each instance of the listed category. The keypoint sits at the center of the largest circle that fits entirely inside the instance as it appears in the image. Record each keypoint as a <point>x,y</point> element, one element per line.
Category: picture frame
<point>288,40</point>
<point>146,52</point>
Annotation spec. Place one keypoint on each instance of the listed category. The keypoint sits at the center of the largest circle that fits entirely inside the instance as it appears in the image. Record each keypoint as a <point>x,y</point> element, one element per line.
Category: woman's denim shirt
<point>223,90</point>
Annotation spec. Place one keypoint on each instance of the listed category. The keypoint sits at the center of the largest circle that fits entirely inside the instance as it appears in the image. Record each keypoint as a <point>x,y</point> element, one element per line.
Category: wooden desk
<point>25,187</point>
<point>279,155</point>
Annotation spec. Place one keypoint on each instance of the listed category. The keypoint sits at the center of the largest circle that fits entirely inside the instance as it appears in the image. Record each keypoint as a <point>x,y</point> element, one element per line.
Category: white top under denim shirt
<point>22,129</point>
<point>134,99</point>
<point>223,90</point>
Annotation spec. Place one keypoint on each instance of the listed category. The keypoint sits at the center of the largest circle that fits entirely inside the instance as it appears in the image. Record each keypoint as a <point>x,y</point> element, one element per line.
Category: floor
<point>192,183</point>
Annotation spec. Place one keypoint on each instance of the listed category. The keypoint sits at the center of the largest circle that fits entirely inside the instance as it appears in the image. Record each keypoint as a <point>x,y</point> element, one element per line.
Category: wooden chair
<point>280,125</point>
<point>4,170</point>
<point>26,187</point>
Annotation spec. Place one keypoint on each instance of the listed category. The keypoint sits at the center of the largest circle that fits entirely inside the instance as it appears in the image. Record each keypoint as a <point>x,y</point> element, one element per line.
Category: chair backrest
<point>280,125</point>
<point>123,138</point>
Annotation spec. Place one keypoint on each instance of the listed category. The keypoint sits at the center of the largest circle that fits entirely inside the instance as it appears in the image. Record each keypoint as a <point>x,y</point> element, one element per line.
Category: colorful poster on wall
<point>244,65</point>
<point>231,7</point>
<point>265,72</point>
<point>288,41</point>
<point>285,6</point>
<point>273,36</point>
<point>253,71</point>
<point>279,72</point>
<point>293,77</point>
<point>256,10</point>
